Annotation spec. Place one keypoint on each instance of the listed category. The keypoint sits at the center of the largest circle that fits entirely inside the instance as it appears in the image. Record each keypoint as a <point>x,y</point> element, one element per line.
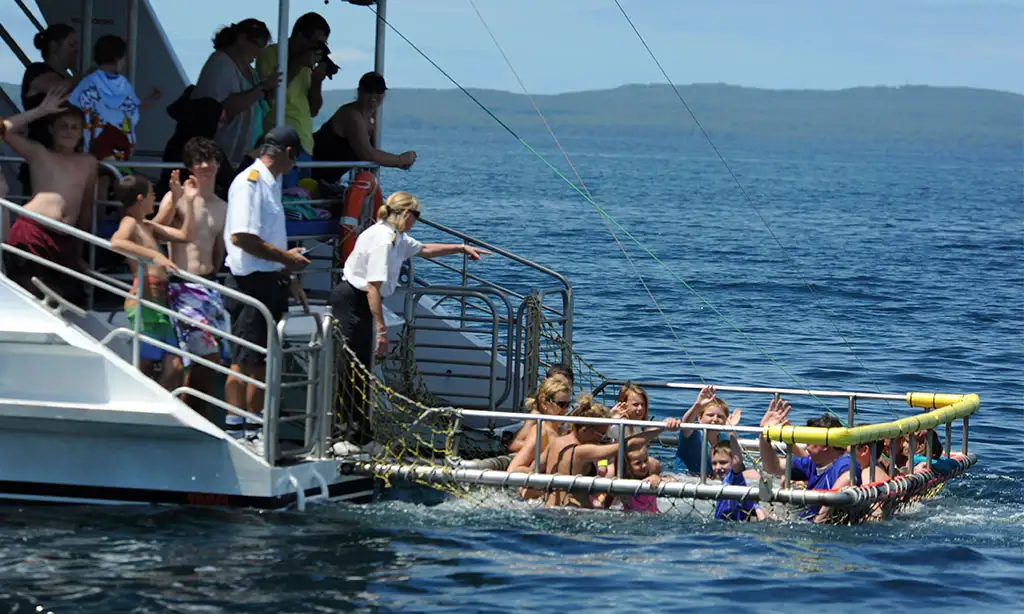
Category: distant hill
<point>909,113</point>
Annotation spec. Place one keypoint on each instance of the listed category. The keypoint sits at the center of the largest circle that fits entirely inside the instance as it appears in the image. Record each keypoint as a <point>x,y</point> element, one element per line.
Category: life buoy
<point>362,200</point>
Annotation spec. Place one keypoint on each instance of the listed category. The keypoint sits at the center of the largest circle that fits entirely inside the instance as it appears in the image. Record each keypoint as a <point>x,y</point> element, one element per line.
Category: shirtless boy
<point>137,236</point>
<point>576,453</point>
<point>203,257</point>
<point>64,181</point>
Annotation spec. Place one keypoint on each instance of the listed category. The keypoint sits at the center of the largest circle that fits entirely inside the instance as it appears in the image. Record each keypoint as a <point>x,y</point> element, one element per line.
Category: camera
<point>325,58</point>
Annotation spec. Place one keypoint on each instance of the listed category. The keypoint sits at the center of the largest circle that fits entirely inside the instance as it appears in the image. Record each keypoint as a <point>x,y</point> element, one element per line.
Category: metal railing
<point>851,398</point>
<point>490,328</point>
<point>271,385</point>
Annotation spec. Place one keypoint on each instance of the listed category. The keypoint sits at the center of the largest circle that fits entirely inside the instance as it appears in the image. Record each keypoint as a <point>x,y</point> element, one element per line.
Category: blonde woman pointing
<point>371,274</point>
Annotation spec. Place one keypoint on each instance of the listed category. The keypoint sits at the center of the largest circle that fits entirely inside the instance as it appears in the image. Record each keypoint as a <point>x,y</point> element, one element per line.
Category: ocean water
<point>894,267</point>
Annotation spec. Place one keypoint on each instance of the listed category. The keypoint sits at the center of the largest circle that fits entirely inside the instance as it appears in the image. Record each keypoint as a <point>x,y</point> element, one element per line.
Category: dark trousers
<point>352,310</point>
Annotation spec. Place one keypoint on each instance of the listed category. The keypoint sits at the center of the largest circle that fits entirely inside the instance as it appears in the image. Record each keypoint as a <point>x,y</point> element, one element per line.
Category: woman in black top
<point>59,47</point>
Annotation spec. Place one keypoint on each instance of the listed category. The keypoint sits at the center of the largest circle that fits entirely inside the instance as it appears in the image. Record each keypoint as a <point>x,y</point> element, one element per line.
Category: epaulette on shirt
<point>253,176</point>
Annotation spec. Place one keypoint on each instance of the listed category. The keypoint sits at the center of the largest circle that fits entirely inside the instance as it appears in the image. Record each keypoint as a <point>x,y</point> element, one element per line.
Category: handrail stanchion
<point>704,454</point>
<point>854,470</point>
<point>620,460</point>
<point>537,446</point>
<point>949,439</point>
<point>324,421</point>
<point>140,283</point>
<point>963,442</point>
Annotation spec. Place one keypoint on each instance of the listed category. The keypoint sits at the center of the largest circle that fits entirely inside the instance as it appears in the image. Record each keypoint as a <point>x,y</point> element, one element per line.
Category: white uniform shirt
<point>378,256</point>
<point>254,207</point>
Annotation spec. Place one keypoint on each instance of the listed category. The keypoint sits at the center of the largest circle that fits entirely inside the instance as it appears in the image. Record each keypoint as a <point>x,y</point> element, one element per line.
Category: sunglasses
<point>415,213</point>
<point>561,404</point>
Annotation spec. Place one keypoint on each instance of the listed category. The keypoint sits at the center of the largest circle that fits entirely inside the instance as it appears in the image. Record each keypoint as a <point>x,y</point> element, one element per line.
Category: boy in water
<point>137,236</point>
<point>203,257</point>
<point>727,466</point>
<point>65,181</point>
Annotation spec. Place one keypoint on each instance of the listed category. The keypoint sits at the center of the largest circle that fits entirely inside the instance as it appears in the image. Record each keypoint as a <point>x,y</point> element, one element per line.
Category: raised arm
<point>168,205</point>
<point>777,415</point>
<point>704,397</point>
<point>14,127</point>
<point>187,232</point>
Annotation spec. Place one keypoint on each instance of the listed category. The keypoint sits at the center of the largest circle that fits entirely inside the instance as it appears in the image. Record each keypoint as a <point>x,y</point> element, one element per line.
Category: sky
<point>572,45</point>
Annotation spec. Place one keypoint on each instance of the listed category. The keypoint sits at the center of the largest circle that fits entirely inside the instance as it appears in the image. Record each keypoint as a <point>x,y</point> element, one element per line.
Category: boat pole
<point>86,43</point>
<point>378,66</point>
<point>282,62</point>
<point>133,42</point>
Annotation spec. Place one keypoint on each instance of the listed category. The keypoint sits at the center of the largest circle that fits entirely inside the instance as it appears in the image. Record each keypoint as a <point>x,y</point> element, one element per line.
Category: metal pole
<point>963,446</point>
<point>378,65</point>
<point>789,466</point>
<point>928,448</point>
<point>874,460</point>
<point>282,61</point>
<point>854,466</point>
<point>949,438</point>
<point>913,451</point>
<point>13,45</point>
<point>140,281</point>
<point>133,41</point>
<point>30,15</point>
<point>86,43</point>
<point>536,450</point>
<point>892,458</point>
<point>704,457</point>
<point>620,461</point>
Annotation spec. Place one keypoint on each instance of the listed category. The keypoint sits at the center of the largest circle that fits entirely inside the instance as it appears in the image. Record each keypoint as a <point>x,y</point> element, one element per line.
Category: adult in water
<point>64,181</point>
<point>370,275</point>
<point>348,135</point>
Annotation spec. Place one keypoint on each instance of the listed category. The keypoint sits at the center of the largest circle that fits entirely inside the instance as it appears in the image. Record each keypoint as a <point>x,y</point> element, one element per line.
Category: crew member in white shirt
<point>256,247</point>
<point>371,274</point>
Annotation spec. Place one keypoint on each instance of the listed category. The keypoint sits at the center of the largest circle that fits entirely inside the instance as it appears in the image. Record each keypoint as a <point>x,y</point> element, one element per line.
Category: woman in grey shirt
<point>228,78</point>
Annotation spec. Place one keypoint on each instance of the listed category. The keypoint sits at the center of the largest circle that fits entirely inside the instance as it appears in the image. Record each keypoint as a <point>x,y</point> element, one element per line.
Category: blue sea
<point>893,267</point>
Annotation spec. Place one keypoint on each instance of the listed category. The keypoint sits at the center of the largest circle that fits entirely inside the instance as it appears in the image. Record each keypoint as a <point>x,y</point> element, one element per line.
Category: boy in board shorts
<point>203,257</point>
<point>137,236</point>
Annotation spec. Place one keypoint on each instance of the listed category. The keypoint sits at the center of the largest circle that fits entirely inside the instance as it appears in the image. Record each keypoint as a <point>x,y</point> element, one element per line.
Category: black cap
<point>283,136</point>
<point>372,83</point>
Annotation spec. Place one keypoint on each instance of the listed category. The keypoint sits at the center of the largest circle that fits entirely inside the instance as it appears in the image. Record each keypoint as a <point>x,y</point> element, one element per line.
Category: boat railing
<point>486,329</point>
<point>271,384</point>
<point>965,406</point>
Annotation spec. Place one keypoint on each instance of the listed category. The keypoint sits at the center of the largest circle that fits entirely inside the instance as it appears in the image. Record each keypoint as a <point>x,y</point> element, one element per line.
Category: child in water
<point>727,466</point>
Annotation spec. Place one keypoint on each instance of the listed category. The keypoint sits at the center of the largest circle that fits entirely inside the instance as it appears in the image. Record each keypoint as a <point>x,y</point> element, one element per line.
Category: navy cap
<point>283,136</point>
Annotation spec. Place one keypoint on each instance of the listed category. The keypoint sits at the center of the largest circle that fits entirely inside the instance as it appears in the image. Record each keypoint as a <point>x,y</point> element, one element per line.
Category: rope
<point>565,154</point>
<point>605,214</point>
<point>750,201</point>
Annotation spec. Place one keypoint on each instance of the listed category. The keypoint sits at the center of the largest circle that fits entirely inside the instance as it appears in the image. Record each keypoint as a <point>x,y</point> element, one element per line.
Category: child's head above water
<point>635,399</point>
<point>721,459</point>
<point>638,463</point>
<point>135,193</point>
<point>715,412</point>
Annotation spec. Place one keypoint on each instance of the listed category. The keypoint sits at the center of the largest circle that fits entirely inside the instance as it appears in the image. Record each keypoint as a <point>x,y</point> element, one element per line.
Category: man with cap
<point>256,246</point>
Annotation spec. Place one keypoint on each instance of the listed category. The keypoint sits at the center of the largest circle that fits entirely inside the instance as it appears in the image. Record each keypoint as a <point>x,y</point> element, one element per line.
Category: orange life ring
<point>362,200</point>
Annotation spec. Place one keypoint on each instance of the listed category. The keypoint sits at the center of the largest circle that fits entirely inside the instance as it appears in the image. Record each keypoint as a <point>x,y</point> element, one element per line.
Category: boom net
<point>422,440</point>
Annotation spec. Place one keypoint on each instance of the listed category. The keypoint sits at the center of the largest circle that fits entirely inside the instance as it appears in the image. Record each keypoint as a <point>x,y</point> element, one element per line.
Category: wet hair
<point>547,391</point>
<point>53,34</point>
<point>372,83</point>
<point>199,149</point>
<point>561,370</point>
<point>716,402</point>
<point>396,205</point>
<point>587,408</point>
<point>253,29</point>
<point>310,23</point>
<point>722,446</point>
<point>129,189</point>
<point>630,388</point>
<point>109,49</point>
<point>825,421</point>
